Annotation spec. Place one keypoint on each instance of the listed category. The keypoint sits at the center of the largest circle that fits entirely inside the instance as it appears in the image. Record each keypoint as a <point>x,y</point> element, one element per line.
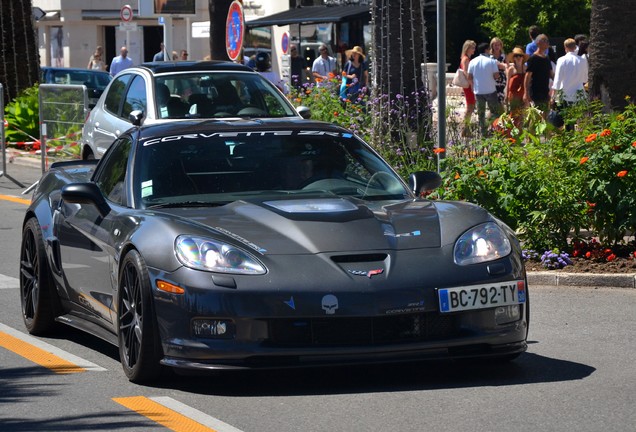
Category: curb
<point>605,280</point>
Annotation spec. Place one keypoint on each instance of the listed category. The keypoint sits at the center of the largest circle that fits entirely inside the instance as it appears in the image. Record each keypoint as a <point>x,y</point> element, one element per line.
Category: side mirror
<point>423,181</point>
<point>136,117</point>
<point>304,112</point>
<point>85,193</point>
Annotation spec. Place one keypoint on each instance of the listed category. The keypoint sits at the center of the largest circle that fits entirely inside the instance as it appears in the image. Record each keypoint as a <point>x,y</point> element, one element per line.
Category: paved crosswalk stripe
<point>15,199</point>
<point>195,414</point>
<point>156,410</point>
<point>8,282</point>
<point>44,354</point>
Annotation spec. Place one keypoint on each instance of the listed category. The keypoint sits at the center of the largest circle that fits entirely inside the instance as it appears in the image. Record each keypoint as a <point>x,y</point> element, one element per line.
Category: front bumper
<point>283,327</point>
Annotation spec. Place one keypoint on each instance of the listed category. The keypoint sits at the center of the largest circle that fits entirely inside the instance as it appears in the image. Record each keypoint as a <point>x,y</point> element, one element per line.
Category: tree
<point>19,57</point>
<point>611,54</point>
<point>218,15</point>
<point>509,19</point>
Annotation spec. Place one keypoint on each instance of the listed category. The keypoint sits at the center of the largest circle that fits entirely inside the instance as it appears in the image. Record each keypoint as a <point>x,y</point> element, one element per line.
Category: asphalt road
<point>578,375</point>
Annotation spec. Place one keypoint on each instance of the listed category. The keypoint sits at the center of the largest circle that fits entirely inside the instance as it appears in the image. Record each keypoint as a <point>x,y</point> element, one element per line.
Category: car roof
<point>185,66</point>
<point>240,125</point>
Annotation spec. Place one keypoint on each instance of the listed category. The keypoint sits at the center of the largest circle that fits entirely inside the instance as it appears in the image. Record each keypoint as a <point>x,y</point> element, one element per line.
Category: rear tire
<point>39,299</point>
<point>139,344</point>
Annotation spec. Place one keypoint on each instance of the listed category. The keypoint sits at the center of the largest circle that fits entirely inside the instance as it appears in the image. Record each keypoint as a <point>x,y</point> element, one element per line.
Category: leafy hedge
<point>550,185</point>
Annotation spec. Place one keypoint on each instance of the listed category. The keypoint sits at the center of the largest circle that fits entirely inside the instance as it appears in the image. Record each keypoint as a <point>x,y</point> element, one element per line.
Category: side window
<point>135,98</point>
<point>116,93</point>
<point>112,174</point>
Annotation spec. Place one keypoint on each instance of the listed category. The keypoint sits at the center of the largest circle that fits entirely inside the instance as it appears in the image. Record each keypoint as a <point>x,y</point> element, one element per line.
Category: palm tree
<point>218,15</point>
<point>399,49</point>
<point>19,59</point>
<point>612,62</point>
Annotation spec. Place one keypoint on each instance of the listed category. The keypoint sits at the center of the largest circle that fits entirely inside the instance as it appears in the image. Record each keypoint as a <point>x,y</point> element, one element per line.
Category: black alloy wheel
<point>37,293</point>
<point>139,345</point>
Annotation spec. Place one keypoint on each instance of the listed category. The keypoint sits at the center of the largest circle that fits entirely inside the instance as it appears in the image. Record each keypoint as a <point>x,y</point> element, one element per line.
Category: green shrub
<point>23,117</point>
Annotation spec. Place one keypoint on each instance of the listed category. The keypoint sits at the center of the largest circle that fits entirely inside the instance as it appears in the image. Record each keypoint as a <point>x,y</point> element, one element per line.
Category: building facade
<point>71,29</point>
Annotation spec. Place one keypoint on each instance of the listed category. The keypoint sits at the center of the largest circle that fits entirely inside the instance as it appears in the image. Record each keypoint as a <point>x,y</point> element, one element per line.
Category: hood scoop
<point>318,209</point>
<point>312,206</point>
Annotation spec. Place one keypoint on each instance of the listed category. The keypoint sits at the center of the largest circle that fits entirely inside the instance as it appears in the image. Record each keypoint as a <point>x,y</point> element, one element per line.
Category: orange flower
<point>438,150</point>
<point>457,176</point>
<point>583,160</point>
<point>335,113</point>
<point>331,75</point>
<point>481,173</point>
<point>634,144</point>
<point>512,140</point>
<point>611,257</point>
<point>606,132</point>
<point>590,138</point>
<point>299,100</point>
<point>621,173</point>
<point>588,254</point>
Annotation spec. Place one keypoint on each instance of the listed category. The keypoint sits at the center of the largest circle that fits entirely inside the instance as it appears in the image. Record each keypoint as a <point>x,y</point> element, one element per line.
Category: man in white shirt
<point>121,62</point>
<point>323,66</point>
<point>482,71</point>
<point>570,75</point>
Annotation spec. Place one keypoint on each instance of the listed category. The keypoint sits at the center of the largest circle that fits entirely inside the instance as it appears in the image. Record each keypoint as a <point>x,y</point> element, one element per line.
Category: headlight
<point>211,255</point>
<point>482,243</point>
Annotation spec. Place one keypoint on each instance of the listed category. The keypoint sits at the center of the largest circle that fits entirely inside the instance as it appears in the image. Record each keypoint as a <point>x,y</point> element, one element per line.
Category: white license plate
<point>481,296</point>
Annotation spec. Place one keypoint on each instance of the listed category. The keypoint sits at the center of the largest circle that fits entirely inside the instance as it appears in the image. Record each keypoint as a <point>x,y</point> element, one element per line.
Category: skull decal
<point>330,304</point>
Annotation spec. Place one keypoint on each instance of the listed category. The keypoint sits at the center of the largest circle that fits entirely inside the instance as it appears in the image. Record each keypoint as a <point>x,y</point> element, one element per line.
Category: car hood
<point>310,226</point>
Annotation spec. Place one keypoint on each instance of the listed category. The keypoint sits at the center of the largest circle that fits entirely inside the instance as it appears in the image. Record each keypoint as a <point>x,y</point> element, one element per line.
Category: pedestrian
<point>263,66</point>
<point>354,75</point>
<point>538,74</point>
<point>183,55</point>
<point>515,78</point>
<point>533,32</point>
<point>174,56</point>
<point>324,67</point>
<point>160,56</point>
<point>298,66</point>
<point>497,52</point>
<point>96,62</point>
<point>121,62</point>
<point>99,50</point>
<point>468,50</point>
<point>582,44</point>
<point>482,72</point>
<point>569,78</point>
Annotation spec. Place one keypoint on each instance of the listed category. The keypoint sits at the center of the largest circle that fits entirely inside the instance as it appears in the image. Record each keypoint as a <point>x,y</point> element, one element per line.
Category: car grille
<point>395,329</point>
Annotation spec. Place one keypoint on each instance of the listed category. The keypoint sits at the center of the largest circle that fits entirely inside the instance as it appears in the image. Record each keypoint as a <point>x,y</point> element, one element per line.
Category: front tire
<point>39,299</point>
<point>139,344</point>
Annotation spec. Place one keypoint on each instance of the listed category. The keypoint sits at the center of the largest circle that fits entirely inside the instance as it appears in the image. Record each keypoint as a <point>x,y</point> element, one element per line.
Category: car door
<point>88,239</point>
<point>126,94</point>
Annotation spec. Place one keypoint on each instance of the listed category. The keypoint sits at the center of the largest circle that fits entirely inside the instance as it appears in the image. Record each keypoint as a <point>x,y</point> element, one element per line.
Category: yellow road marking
<point>38,355</point>
<point>15,199</point>
<point>162,415</point>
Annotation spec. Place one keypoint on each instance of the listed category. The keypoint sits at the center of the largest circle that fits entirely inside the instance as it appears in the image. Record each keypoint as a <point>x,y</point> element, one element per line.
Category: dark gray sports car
<point>265,243</point>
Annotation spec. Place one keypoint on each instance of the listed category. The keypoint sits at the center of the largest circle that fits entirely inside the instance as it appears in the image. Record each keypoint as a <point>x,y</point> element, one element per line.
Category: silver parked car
<point>166,91</point>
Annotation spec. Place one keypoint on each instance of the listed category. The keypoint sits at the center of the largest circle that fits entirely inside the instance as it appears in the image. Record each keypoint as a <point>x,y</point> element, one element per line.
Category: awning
<point>104,14</point>
<point>312,15</point>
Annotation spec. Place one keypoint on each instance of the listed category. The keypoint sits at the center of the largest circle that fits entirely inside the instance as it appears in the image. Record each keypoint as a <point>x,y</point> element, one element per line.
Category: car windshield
<point>217,168</point>
<point>218,94</point>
